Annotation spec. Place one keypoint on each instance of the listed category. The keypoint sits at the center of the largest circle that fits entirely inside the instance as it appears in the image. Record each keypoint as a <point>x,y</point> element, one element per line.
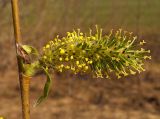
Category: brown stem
<point>25,97</point>
<point>24,80</point>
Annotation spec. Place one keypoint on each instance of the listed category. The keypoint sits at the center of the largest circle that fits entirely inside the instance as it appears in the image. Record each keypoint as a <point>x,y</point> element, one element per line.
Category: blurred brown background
<point>136,97</point>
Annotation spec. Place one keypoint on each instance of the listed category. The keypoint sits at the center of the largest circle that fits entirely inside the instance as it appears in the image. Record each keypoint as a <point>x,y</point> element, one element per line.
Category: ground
<point>72,98</point>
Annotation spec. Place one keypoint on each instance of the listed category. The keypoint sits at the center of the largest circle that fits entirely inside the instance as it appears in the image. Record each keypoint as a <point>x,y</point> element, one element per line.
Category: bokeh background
<point>74,97</point>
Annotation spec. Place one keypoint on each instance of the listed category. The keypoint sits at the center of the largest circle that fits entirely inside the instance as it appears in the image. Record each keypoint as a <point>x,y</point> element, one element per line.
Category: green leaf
<point>30,69</point>
<point>30,49</point>
<point>46,88</point>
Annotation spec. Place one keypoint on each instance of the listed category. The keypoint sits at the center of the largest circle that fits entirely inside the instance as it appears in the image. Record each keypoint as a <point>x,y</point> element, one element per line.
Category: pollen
<point>90,62</point>
<point>71,57</point>
<point>62,51</point>
<point>60,59</point>
<point>77,62</point>
<point>86,59</point>
<point>66,59</point>
<point>48,46</point>
<point>86,67</point>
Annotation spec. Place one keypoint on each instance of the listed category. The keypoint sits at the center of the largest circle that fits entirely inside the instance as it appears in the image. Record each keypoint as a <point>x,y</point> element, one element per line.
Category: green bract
<point>98,54</point>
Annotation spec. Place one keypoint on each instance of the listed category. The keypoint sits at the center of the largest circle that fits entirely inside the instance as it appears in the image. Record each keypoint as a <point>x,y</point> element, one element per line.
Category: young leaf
<point>46,88</point>
<point>30,49</point>
<point>30,69</point>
